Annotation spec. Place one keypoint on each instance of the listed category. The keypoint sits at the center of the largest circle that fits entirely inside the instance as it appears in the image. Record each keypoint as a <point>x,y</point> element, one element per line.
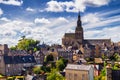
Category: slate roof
<point>97,41</point>
<point>78,67</point>
<point>19,59</point>
<point>69,35</point>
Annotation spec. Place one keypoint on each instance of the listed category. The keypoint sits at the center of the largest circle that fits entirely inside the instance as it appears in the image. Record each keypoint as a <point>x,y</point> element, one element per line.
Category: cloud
<point>12,2</point>
<point>91,18</point>
<point>51,30</point>
<point>54,6</point>
<point>12,31</point>
<point>100,22</point>
<point>4,19</point>
<point>42,20</point>
<point>1,11</point>
<point>30,9</point>
<point>96,2</point>
<point>100,25</point>
<point>105,33</point>
<point>74,6</point>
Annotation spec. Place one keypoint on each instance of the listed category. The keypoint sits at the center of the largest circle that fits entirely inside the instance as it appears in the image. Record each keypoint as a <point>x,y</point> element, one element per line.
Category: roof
<point>96,41</point>
<point>69,35</point>
<point>64,51</point>
<point>19,59</point>
<point>79,67</point>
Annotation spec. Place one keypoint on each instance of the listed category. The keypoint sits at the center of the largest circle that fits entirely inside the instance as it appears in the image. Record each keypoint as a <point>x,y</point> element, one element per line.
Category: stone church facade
<point>76,40</point>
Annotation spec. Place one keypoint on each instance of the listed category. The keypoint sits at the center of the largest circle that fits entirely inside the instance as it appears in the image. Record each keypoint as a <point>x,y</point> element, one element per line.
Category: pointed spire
<point>79,15</point>
<point>79,20</point>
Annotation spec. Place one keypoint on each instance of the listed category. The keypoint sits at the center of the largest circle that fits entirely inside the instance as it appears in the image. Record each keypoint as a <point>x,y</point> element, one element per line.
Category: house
<point>13,62</point>
<point>79,72</point>
<point>39,57</point>
<point>66,54</point>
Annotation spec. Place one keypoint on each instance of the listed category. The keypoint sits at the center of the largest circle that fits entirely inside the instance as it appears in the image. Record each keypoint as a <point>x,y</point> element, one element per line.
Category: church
<point>76,40</point>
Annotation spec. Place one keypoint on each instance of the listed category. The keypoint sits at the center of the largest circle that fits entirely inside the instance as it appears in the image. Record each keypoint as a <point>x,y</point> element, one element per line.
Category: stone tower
<point>79,31</point>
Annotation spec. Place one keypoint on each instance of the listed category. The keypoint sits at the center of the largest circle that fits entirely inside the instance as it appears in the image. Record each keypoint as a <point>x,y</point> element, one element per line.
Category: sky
<point>48,20</point>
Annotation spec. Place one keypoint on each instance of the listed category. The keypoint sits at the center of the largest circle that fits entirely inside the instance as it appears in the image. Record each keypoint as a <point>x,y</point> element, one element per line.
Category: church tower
<point>79,31</point>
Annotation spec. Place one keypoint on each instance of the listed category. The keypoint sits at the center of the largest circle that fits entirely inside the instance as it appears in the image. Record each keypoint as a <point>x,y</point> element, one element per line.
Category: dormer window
<point>30,59</point>
<point>23,59</point>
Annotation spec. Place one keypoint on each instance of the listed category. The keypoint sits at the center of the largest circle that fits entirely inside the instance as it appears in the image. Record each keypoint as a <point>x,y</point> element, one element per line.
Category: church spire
<point>79,20</point>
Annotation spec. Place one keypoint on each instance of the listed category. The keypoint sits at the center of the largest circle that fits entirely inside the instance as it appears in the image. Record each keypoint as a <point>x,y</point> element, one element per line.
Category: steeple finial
<point>79,15</point>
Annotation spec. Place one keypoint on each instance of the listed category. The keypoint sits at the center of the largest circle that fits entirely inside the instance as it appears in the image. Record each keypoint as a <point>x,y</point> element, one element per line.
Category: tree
<point>115,57</point>
<point>13,48</point>
<point>55,75</point>
<point>61,64</point>
<point>45,69</point>
<point>37,70</point>
<point>26,44</point>
<point>116,66</point>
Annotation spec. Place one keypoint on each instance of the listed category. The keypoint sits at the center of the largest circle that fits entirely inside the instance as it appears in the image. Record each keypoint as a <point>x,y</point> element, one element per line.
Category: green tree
<point>13,48</point>
<point>116,66</point>
<point>26,44</point>
<point>115,57</point>
<point>37,70</point>
<point>60,65</point>
<point>55,75</point>
<point>45,69</point>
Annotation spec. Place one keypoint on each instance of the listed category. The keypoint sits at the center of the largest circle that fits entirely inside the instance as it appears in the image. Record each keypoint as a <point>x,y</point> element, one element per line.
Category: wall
<point>76,75</point>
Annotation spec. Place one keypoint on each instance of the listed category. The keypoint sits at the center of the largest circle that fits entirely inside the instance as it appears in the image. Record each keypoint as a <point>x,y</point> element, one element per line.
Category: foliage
<point>61,64</point>
<point>116,66</point>
<point>36,70</point>
<point>55,75</point>
<point>13,48</point>
<point>26,44</point>
<point>103,56</point>
<point>45,69</point>
<point>115,57</point>
<point>88,59</point>
<point>103,72</point>
<point>65,61</point>
<point>102,75</point>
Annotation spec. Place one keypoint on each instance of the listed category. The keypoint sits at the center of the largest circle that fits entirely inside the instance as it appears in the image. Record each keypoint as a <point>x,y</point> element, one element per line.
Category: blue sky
<point>48,20</point>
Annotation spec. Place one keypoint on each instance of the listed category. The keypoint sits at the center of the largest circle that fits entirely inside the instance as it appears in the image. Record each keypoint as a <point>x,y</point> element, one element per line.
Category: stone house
<point>13,62</point>
<point>66,54</point>
<point>79,72</point>
<point>39,57</point>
